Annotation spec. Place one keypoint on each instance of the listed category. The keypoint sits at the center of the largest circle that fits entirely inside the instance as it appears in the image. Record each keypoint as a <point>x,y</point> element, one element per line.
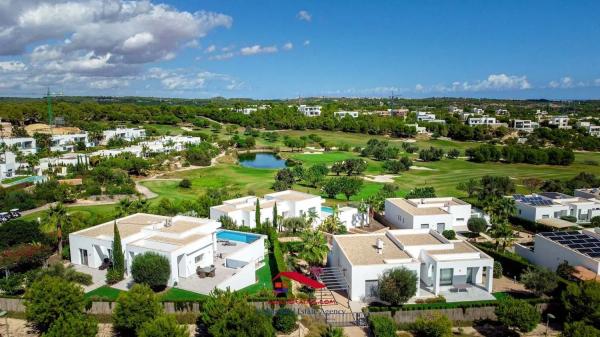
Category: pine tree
<point>257,214</point>
<point>117,252</point>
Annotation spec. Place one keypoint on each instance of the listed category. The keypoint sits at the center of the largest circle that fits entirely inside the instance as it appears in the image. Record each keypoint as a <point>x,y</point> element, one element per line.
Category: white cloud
<point>288,46</point>
<point>306,42</point>
<point>182,80</point>
<point>223,56</point>
<point>564,83</point>
<point>304,16</point>
<point>210,49</point>
<point>419,87</point>
<point>108,83</point>
<point>12,66</point>
<point>258,49</point>
<point>493,82</point>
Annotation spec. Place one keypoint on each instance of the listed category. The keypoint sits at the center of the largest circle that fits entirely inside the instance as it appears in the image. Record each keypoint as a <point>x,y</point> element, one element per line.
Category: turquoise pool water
<point>326,209</point>
<point>236,236</point>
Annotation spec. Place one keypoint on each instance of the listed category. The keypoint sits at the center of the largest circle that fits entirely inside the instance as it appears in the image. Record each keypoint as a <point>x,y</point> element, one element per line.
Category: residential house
<point>188,243</point>
<point>484,120</point>
<point>554,205</point>
<point>425,116</point>
<point>246,111</point>
<point>581,249</point>
<point>68,142</point>
<point>8,165</point>
<point>126,134</point>
<point>442,267</point>
<point>525,125</point>
<point>60,164</point>
<point>342,114</point>
<point>478,111</point>
<point>592,130</point>
<point>310,111</point>
<point>502,112</point>
<point>455,110</point>
<point>561,122</point>
<point>289,204</point>
<point>26,145</point>
<point>437,214</point>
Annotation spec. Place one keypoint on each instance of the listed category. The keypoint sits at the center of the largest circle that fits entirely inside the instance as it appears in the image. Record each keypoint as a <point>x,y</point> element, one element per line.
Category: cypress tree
<point>275,216</point>
<point>257,214</point>
<point>117,252</point>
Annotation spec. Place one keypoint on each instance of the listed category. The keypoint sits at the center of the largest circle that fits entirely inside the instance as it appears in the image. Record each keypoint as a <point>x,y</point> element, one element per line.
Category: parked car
<point>14,213</point>
<point>4,217</point>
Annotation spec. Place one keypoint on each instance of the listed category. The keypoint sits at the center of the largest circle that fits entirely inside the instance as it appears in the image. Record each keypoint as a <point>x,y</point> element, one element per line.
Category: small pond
<point>262,160</point>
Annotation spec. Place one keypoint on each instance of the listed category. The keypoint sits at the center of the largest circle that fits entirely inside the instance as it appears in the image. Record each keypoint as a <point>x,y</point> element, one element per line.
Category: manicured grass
<point>177,295</point>
<point>13,179</point>
<point>328,158</point>
<point>163,129</point>
<point>105,292</point>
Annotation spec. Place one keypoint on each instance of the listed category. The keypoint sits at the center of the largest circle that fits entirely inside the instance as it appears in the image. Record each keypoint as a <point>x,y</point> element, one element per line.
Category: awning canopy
<point>307,281</point>
<point>557,223</point>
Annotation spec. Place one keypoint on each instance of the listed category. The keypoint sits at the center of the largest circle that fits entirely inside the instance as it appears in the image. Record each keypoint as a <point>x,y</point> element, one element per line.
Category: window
<point>371,288</point>
<point>199,258</point>
<point>441,227</point>
<point>424,225</point>
<point>446,276</point>
<point>84,256</point>
<point>545,216</point>
<point>460,219</point>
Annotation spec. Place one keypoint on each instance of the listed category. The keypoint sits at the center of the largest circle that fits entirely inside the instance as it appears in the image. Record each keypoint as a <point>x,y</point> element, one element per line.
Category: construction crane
<point>48,97</point>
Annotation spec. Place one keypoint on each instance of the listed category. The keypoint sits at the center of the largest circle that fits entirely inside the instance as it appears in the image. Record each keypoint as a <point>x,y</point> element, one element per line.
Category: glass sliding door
<point>446,276</point>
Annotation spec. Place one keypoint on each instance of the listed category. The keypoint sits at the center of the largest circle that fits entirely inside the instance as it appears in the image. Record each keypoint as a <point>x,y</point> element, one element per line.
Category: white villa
<point>561,122</point>
<point>188,243</point>
<point>553,205</point>
<point>592,130</point>
<point>342,114</point>
<point>127,134</point>
<point>290,203</point>
<point>61,163</point>
<point>8,165</point>
<point>425,116</point>
<point>437,214</point>
<point>525,125</point>
<point>24,144</point>
<point>68,142</point>
<point>581,249</point>
<point>454,269</point>
<point>310,111</point>
<point>483,120</point>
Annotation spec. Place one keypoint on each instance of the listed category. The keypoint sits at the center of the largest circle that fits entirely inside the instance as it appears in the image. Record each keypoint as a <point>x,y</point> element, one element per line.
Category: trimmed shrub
<point>151,269</point>
<point>134,308</point>
<point>569,218</point>
<point>517,314</point>
<point>163,326</point>
<point>73,326</point>
<point>382,326</point>
<point>449,234</point>
<point>285,320</point>
<point>185,183</point>
<point>497,269</point>
<point>434,326</point>
<point>397,285</point>
<point>476,225</point>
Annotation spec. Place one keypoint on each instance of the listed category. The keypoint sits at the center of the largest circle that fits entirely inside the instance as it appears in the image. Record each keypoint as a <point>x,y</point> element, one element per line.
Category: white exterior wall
<point>128,134</point>
<point>243,277</point>
<point>458,216</point>
<point>360,274</point>
<point>67,143</point>
<point>531,213</point>
<point>8,165</point>
<point>26,145</point>
<point>550,254</point>
<point>350,217</point>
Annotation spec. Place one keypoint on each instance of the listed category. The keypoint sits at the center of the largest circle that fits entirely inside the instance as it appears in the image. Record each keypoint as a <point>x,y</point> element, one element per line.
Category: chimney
<point>379,245</point>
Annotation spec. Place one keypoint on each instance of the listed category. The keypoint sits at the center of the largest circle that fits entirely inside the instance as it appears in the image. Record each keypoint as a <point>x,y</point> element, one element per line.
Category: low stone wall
<point>12,304</point>
<point>454,314</point>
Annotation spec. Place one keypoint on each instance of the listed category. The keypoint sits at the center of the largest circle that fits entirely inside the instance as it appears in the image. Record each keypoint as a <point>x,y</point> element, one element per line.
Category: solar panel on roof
<point>585,250</point>
<point>594,254</point>
<point>564,242</point>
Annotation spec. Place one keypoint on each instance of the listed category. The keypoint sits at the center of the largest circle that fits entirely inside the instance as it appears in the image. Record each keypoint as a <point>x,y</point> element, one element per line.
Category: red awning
<point>307,281</point>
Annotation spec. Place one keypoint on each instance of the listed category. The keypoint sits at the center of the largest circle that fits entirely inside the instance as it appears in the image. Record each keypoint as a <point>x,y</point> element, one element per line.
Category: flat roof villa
<point>581,249</point>
<point>188,243</point>
<point>443,267</point>
<point>290,203</point>
<point>554,205</point>
<point>428,213</point>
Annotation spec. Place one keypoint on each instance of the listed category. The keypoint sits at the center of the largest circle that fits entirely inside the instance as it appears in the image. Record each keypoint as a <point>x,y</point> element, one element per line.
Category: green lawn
<point>328,158</point>
<point>13,179</point>
<point>176,295</point>
<point>264,279</point>
<point>91,214</point>
<point>105,292</point>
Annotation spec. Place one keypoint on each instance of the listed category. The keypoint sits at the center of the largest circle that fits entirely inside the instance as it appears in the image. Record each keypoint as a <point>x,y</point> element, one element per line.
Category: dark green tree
<point>539,280</point>
<point>581,301</point>
<point>117,271</point>
<point>73,325</point>
<point>163,326</point>
<point>397,285</point>
<point>151,269</point>
<point>134,308</point>
<point>517,314</point>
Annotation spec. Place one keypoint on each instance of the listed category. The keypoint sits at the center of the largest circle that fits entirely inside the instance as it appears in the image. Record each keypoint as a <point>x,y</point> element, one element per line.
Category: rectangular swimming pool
<point>326,209</point>
<point>236,236</point>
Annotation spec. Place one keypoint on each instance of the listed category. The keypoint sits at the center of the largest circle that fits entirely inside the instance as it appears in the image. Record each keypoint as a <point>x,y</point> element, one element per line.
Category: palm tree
<point>314,247</point>
<point>312,216</point>
<point>57,216</point>
<point>503,234</point>
<point>124,207</point>
<point>32,160</point>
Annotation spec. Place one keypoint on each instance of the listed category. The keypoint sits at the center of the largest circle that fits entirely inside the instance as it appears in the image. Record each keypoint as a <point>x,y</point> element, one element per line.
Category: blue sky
<point>279,49</point>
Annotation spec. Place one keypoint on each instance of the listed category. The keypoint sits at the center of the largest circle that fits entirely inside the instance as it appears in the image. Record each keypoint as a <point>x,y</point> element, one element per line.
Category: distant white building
<point>455,110</point>
<point>310,111</point>
<point>127,134</point>
<point>61,163</point>
<point>425,116</point>
<point>478,111</point>
<point>169,144</point>
<point>8,165</point>
<point>188,243</point>
<point>484,120</point>
<point>342,114</point>
<point>442,266</point>
<point>581,249</point>
<point>247,111</point>
<point>592,130</point>
<point>554,205</point>
<point>525,125</point>
<point>420,129</point>
<point>68,142</point>
<point>502,112</point>
<point>561,122</point>
<point>24,144</point>
<point>289,204</point>
<point>437,214</point>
